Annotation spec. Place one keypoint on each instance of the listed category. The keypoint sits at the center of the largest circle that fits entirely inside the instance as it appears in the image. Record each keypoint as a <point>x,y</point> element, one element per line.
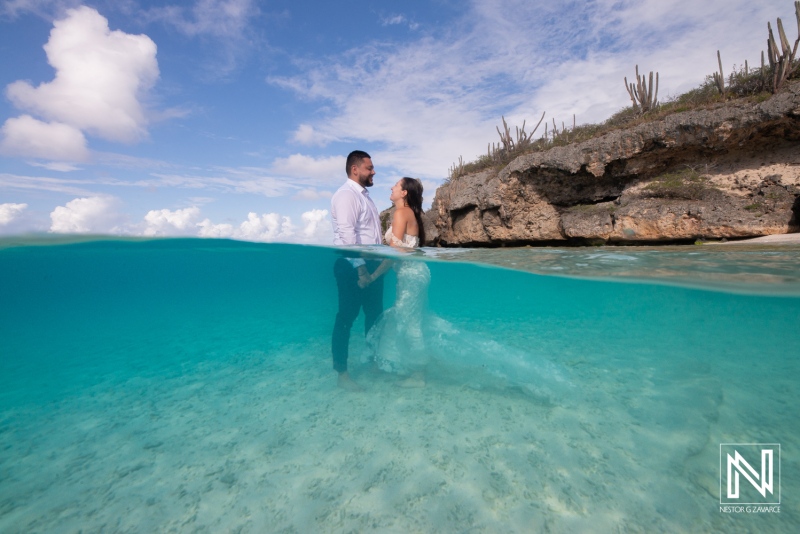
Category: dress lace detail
<point>409,241</point>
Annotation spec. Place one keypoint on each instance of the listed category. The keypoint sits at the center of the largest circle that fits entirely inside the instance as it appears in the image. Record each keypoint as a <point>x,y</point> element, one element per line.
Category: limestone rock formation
<point>729,171</point>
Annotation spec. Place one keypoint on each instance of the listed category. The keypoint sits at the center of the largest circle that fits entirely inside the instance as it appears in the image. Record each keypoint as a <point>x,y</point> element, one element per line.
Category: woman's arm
<point>382,268</point>
<point>399,227</point>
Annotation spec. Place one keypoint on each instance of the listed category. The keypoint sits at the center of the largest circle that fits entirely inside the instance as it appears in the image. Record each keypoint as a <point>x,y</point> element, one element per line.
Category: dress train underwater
<point>409,338</point>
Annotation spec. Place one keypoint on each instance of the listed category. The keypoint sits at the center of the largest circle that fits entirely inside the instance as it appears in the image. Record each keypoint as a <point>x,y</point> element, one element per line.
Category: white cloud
<point>307,135</point>
<point>392,20</point>
<point>272,227</point>
<point>330,170</point>
<point>28,137</point>
<point>209,229</point>
<point>266,227</point>
<point>220,18</point>
<point>58,166</point>
<point>86,215</point>
<point>100,77</point>
<point>240,180</point>
<point>317,224</point>
<point>414,100</point>
<point>40,183</point>
<point>201,200</point>
<point>9,212</point>
<point>100,215</point>
<point>229,180</point>
<point>312,194</point>
<point>227,22</point>
<point>42,8</point>
<point>165,222</point>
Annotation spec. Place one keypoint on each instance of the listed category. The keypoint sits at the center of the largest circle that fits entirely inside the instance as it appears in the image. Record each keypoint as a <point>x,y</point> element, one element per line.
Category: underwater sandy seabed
<point>186,414</point>
<point>265,442</point>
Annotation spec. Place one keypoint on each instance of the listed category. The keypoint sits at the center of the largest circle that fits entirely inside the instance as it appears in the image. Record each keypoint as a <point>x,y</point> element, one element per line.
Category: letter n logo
<point>747,473</point>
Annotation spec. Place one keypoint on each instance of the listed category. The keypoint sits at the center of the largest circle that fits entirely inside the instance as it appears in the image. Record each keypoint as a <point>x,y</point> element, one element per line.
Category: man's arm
<point>344,210</point>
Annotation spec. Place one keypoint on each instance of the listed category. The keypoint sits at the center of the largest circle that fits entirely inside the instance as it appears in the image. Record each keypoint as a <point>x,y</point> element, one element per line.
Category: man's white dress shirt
<point>356,220</point>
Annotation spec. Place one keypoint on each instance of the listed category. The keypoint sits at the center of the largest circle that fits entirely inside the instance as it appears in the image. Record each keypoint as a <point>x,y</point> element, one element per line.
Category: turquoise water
<point>186,385</point>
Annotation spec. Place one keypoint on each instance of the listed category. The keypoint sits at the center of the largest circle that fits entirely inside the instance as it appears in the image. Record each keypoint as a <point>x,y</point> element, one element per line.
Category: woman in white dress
<point>397,340</point>
<point>409,340</point>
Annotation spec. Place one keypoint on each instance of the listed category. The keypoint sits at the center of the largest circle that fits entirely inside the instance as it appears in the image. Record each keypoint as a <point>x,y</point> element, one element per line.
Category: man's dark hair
<point>354,158</point>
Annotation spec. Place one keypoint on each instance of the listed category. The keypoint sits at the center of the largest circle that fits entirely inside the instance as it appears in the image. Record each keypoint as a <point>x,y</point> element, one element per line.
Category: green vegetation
<point>755,207</point>
<point>685,184</point>
<point>743,84</point>
<point>604,207</point>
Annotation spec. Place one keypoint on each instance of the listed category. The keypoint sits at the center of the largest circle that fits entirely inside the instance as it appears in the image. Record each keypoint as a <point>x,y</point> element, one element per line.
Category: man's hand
<point>364,280</point>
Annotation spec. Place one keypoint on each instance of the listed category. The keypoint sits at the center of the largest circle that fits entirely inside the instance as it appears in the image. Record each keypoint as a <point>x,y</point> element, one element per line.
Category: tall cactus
<point>456,170</point>
<point>719,77</point>
<point>507,147</point>
<point>523,138</point>
<point>505,137</point>
<point>782,63</point>
<point>643,96</point>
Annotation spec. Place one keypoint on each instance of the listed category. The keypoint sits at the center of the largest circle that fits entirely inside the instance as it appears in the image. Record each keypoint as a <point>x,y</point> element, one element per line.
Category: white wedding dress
<point>409,338</point>
<point>397,341</point>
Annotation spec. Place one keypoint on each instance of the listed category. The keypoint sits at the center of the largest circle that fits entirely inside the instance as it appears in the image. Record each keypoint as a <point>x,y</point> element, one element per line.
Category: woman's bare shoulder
<point>403,214</point>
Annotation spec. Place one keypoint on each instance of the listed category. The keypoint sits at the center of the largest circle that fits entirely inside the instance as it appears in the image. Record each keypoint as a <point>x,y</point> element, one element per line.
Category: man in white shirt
<point>356,221</point>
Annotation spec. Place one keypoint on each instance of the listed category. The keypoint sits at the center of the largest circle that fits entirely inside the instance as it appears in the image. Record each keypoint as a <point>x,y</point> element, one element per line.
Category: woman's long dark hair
<point>413,189</point>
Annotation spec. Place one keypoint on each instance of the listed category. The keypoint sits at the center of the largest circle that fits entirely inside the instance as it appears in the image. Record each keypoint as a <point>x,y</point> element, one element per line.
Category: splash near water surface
<point>186,385</point>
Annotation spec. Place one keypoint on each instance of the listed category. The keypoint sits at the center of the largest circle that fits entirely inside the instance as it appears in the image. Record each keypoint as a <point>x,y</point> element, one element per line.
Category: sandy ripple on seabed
<point>266,443</point>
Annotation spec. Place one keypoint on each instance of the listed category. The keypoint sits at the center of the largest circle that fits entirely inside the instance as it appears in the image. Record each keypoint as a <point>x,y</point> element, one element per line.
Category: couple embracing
<point>394,336</point>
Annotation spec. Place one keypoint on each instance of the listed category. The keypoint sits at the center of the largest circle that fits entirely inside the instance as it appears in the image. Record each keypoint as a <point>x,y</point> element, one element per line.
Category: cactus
<point>719,77</point>
<point>456,170</point>
<point>782,63</point>
<point>508,146</point>
<point>560,136</point>
<point>505,136</point>
<point>642,95</point>
<point>530,135</point>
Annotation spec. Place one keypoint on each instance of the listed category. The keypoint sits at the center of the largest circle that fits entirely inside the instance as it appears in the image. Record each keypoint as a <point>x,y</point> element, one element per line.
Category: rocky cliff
<point>729,171</point>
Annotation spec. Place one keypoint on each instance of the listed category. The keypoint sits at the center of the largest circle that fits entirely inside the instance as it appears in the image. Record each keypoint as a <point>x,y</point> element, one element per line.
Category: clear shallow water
<point>741,268</point>
<point>186,385</point>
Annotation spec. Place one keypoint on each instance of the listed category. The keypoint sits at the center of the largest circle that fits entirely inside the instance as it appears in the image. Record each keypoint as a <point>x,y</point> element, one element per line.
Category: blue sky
<point>232,118</point>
